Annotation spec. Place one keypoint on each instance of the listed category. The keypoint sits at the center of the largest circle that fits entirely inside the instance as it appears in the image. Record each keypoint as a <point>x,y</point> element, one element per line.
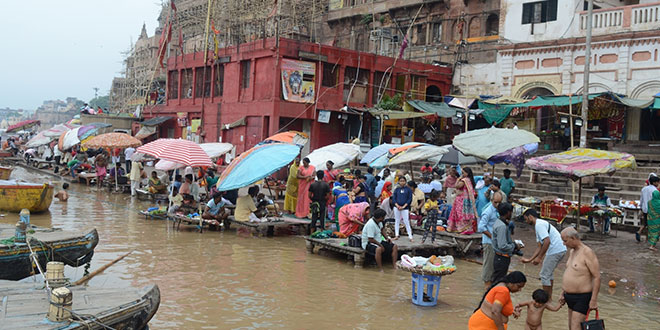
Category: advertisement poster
<point>335,4</point>
<point>298,81</point>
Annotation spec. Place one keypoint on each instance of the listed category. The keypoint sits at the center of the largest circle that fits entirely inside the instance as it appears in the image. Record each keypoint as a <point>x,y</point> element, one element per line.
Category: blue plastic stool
<point>425,284</point>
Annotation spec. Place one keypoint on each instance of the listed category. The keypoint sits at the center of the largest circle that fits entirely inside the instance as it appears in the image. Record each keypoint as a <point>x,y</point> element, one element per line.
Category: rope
<point>88,317</point>
<point>36,261</point>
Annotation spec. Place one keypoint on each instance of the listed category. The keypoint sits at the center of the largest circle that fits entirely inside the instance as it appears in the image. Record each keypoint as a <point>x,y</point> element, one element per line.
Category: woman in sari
<point>462,218</point>
<point>387,191</point>
<point>340,193</point>
<point>496,305</point>
<point>101,164</point>
<point>653,220</point>
<point>305,178</point>
<point>291,192</point>
<point>352,217</point>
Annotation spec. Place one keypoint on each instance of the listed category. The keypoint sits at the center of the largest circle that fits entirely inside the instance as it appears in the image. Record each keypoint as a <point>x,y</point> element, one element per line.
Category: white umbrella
<point>424,152</point>
<point>339,153</point>
<point>70,139</point>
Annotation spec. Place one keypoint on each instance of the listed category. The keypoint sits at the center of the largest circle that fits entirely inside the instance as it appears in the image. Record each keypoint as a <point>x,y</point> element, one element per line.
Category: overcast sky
<point>55,49</point>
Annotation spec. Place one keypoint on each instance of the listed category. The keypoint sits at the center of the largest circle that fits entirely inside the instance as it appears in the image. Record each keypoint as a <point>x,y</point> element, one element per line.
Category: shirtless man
<point>62,195</point>
<point>581,281</point>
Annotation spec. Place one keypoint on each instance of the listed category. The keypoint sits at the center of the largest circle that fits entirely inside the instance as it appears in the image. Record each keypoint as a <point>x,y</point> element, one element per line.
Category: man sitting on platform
<point>246,210</point>
<point>602,201</point>
<point>215,208</point>
<point>376,241</point>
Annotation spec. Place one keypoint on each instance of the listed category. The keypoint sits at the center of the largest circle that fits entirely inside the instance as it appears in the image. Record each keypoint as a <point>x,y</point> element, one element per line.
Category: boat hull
<point>5,172</point>
<point>36,198</point>
<point>74,251</point>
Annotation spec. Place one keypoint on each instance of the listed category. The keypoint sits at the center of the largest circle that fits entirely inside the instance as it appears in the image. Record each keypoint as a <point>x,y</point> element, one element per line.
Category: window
<point>330,75</point>
<point>173,85</point>
<point>539,12</point>
<point>203,82</point>
<point>186,83</point>
<point>418,88</point>
<point>379,78</point>
<point>419,34</point>
<point>359,91</point>
<point>245,74</point>
<point>437,32</point>
<point>492,25</point>
<point>219,79</point>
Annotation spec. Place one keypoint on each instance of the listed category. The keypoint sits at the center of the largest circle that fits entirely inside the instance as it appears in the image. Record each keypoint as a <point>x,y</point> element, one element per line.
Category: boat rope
<point>88,317</point>
<point>36,261</point>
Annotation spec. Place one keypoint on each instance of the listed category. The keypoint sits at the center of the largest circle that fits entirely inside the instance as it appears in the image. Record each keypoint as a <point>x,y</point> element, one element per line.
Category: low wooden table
<point>264,229</point>
<point>199,223</point>
<point>88,177</point>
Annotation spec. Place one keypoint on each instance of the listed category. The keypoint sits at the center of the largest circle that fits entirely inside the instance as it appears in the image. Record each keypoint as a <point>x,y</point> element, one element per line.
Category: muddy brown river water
<point>221,280</point>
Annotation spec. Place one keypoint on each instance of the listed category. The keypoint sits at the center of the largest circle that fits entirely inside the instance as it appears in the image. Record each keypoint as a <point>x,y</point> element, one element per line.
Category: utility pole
<point>96,92</point>
<point>585,88</point>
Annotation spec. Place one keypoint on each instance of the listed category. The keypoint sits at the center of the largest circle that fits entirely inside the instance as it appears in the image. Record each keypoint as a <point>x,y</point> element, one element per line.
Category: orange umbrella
<point>290,137</point>
<point>112,140</point>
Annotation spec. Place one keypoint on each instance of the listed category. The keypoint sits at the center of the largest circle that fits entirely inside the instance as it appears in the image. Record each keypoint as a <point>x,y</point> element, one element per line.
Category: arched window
<point>492,25</point>
<point>474,29</point>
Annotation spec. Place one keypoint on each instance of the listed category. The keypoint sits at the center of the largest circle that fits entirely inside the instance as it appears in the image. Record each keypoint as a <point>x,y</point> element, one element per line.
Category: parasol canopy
<point>255,164</point>
<point>112,140</point>
<point>22,125</point>
<point>290,137</point>
<point>581,162</point>
<point>488,142</point>
<point>38,140</point>
<point>339,153</point>
<point>422,152</point>
<point>99,125</point>
<point>68,139</point>
<point>57,130</point>
<point>455,157</point>
<point>376,152</point>
<point>180,151</point>
<point>213,150</point>
<point>86,131</point>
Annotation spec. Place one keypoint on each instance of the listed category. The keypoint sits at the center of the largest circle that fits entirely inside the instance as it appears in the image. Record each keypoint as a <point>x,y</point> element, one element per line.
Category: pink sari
<point>302,206</point>
<point>462,218</point>
<point>352,211</point>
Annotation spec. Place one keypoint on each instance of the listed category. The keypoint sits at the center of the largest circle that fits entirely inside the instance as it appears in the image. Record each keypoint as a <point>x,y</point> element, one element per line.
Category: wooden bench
<point>88,177</point>
<point>264,229</point>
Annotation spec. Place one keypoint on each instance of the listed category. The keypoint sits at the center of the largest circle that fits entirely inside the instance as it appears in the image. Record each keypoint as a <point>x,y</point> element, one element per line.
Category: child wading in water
<point>62,195</point>
<point>535,309</point>
<point>431,208</point>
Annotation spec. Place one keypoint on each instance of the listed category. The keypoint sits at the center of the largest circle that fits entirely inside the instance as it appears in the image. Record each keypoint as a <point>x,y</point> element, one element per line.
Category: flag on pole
<point>404,45</point>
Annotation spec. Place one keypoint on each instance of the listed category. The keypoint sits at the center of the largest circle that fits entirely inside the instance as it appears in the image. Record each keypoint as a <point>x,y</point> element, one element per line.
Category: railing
<point>625,18</point>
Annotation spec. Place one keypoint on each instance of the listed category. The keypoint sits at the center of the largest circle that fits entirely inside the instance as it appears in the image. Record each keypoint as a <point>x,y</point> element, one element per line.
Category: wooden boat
<point>5,154</point>
<point>15,196</point>
<point>25,306</point>
<point>5,172</point>
<point>73,248</point>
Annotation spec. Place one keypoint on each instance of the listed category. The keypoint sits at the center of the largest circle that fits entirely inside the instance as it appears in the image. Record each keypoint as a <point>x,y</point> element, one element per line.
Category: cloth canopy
<point>68,139</point>
<point>440,109</point>
<point>339,153</point>
<point>290,137</point>
<point>376,152</point>
<point>395,114</point>
<point>38,140</point>
<point>255,164</point>
<point>459,102</point>
<point>488,142</point>
<point>423,152</point>
<point>23,124</point>
<point>581,162</point>
<point>455,157</point>
<point>156,120</point>
<point>181,151</point>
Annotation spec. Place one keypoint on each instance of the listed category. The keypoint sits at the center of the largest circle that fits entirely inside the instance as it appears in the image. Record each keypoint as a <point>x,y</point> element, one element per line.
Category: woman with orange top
<point>496,305</point>
<point>386,192</point>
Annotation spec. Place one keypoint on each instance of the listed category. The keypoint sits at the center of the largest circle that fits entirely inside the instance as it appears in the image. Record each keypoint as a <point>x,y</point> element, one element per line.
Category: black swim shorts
<point>578,302</point>
<point>371,248</point>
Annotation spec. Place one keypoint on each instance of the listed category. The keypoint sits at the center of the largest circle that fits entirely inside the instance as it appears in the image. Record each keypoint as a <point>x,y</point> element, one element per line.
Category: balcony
<point>642,17</point>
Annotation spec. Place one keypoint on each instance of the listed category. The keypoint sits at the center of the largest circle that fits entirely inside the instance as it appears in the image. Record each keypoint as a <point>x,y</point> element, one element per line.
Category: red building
<point>257,89</point>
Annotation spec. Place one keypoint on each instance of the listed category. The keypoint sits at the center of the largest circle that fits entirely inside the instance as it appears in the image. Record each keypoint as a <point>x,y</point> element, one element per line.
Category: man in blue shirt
<point>215,208</point>
<point>482,201</point>
<point>600,200</point>
<point>550,249</point>
<point>506,183</point>
<point>485,227</point>
<point>402,198</point>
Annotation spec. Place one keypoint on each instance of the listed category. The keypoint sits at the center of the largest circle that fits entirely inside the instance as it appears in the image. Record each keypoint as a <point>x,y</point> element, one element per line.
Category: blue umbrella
<point>376,152</point>
<point>256,164</point>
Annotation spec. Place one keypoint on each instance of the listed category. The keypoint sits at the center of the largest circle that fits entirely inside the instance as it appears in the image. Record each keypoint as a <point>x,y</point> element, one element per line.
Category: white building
<point>543,47</point>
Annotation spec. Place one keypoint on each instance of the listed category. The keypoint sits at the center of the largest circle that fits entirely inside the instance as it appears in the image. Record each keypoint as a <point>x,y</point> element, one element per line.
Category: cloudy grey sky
<point>55,49</point>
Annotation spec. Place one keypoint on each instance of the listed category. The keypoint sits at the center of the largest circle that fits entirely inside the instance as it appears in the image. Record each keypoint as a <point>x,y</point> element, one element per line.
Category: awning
<point>240,122</point>
<point>459,102</point>
<point>145,131</point>
<point>438,108</point>
<point>156,120</point>
<point>394,114</point>
<point>633,103</point>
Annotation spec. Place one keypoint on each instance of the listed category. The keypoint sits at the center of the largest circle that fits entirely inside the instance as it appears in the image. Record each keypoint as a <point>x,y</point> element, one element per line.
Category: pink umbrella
<point>177,150</point>
<point>22,124</point>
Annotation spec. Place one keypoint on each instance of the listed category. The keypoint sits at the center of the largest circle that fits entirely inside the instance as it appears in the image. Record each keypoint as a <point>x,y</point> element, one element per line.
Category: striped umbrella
<point>180,151</point>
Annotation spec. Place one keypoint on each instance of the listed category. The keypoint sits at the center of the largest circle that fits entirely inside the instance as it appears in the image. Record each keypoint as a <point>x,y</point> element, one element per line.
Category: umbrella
<point>57,130</point>
<point>255,164</point>
<point>580,162</point>
<point>376,152</point>
<point>455,157</point>
<point>68,139</point>
<point>515,156</point>
<point>38,140</point>
<point>290,137</point>
<point>23,124</point>
<point>86,131</point>
<point>422,152</point>
<point>112,140</point>
<point>339,153</point>
<point>488,142</point>
<point>181,151</point>
<point>212,149</point>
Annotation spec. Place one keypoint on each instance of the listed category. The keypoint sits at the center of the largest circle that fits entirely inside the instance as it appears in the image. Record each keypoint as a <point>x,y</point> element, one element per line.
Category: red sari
<point>302,206</point>
<point>462,218</point>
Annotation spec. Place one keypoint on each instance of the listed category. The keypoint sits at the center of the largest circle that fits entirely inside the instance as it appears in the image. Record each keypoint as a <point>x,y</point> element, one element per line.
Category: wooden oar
<point>85,279</point>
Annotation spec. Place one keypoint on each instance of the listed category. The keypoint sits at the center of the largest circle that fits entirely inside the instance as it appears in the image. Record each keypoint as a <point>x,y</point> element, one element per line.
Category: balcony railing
<point>625,18</point>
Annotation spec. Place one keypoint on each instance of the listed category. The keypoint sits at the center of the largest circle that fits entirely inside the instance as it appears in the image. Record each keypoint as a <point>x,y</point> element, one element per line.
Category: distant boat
<point>73,248</point>
<point>16,195</point>
<point>25,306</point>
<point>5,172</point>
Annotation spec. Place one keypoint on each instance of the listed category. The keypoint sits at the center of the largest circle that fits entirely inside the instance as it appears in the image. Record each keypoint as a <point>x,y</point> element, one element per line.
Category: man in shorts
<point>581,281</point>
<point>376,241</point>
<point>550,249</point>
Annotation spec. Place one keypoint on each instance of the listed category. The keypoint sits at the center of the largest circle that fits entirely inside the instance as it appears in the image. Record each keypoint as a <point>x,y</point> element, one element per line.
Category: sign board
<point>298,81</point>
<point>324,116</point>
<point>335,4</point>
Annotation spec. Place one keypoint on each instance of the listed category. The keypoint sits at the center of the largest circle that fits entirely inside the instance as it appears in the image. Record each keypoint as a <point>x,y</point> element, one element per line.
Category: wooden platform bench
<point>198,223</point>
<point>267,229</point>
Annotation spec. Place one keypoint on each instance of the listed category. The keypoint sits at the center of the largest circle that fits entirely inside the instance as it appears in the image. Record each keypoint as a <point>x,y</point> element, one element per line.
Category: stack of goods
<point>438,266</point>
<point>629,204</point>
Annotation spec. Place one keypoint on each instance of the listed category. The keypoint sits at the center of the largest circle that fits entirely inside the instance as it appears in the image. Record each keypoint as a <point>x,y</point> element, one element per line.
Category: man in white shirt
<point>644,199</point>
<point>550,250</point>
<point>376,242</point>
<point>128,153</point>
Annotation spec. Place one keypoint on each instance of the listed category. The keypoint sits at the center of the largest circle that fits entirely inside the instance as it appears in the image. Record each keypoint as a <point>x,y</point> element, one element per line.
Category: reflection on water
<point>221,280</point>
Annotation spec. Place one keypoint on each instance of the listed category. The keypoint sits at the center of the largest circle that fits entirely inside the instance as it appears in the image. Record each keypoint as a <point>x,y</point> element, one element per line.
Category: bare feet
<point>396,238</point>
<point>653,248</point>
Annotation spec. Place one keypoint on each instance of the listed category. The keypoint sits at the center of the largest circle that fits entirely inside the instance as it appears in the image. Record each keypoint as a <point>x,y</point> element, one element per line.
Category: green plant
<point>367,19</point>
<point>391,103</point>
